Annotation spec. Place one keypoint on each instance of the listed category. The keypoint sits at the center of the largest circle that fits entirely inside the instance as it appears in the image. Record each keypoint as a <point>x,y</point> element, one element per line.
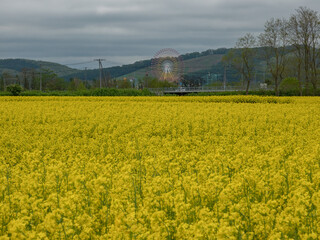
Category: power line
<point>78,63</point>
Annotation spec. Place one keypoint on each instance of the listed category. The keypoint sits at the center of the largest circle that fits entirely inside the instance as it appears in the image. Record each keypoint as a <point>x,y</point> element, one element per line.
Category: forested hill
<point>196,64</point>
<point>16,66</point>
<point>208,59</point>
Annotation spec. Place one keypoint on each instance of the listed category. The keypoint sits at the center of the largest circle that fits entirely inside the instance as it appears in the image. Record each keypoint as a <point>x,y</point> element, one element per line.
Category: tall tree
<point>304,36</point>
<point>314,48</point>
<point>246,46</point>
<point>48,79</point>
<point>274,41</point>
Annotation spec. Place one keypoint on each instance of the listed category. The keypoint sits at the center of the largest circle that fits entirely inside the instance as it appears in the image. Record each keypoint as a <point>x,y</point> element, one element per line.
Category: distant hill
<point>190,66</point>
<point>15,66</point>
<point>114,72</point>
<point>206,65</point>
<point>192,62</point>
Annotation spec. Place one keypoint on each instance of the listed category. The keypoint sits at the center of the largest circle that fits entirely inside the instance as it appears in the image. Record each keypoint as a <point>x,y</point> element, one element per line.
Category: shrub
<point>290,86</point>
<point>14,89</point>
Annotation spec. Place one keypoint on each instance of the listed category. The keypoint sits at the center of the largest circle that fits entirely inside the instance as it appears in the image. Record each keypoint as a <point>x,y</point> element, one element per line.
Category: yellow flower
<point>159,167</point>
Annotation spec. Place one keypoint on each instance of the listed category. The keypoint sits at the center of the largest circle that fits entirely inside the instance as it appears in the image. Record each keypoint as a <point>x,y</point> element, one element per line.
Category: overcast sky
<point>123,31</point>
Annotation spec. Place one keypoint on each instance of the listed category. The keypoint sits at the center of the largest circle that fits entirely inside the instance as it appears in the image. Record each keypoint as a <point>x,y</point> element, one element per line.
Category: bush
<point>14,89</point>
<point>290,86</point>
<point>92,92</point>
<point>120,92</point>
<point>231,93</point>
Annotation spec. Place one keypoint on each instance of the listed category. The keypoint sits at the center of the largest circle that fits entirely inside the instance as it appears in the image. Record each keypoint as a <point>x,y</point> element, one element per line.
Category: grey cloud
<point>122,29</point>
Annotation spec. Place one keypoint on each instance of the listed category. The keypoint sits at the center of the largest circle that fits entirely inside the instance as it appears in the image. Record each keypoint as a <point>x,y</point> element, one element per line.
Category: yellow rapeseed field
<point>159,168</point>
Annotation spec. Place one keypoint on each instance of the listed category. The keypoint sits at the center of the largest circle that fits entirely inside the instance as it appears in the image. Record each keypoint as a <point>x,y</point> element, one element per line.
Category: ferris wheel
<point>167,65</point>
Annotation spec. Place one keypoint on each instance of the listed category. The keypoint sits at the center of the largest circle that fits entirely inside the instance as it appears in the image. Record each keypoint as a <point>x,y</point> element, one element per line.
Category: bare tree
<point>274,41</point>
<point>304,35</point>
<point>314,46</point>
<point>246,46</point>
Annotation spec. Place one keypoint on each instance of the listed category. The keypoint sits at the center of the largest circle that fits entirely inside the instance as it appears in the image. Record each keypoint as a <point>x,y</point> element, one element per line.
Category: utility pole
<point>100,68</point>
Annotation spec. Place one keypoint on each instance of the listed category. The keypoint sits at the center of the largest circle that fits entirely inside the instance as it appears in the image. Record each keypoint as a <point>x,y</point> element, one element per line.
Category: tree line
<point>44,80</point>
<point>289,47</point>
<point>48,80</point>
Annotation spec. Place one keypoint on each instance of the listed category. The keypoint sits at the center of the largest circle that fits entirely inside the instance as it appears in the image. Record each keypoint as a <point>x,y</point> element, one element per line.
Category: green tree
<point>56,84</point>
<point>293,69</point>
<point>156,83</point>
<point>290,86</point>
<point>146,81</point>
<point>124,83</point>
<point>191,81</point>
<point>48,78</point>
<point>14,89</point>
<point>75,84</point>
